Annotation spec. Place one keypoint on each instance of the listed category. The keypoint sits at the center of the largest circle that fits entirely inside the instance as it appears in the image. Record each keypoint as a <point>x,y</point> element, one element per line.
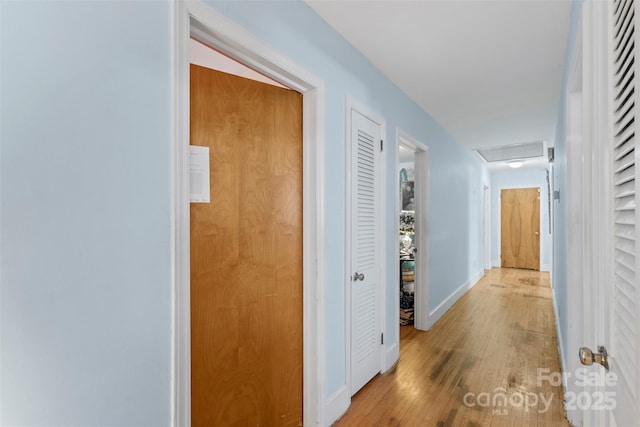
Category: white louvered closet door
<point>365,259</point>
<point>624,316</point>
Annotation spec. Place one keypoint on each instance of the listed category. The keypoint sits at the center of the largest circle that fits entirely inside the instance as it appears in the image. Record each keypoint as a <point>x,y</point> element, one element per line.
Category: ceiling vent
<point>504,153</point>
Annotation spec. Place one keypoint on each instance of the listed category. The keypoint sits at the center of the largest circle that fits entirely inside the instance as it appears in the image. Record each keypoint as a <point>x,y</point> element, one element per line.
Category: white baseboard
<point>496,263</point>
<point>563,361</point>
<point>337,405</point>
<point>340,401</point>
<point>391,357</point>
<point>545,267</point>
<point>440,310</point>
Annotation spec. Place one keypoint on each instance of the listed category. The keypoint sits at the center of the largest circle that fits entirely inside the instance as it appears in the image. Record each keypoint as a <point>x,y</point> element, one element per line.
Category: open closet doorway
<point>413,197</point>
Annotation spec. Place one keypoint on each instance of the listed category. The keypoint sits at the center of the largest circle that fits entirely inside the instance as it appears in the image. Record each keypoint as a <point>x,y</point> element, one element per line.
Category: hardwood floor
<point>477,366</point>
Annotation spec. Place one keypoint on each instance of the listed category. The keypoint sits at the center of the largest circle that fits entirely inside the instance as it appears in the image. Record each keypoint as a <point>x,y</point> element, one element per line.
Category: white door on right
<point>623,291</point>
<point>610,188</point>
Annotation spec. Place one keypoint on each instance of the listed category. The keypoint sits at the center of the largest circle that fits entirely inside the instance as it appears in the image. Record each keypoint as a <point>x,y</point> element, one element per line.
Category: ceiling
<point>204,56</point>
<point>489,71</point>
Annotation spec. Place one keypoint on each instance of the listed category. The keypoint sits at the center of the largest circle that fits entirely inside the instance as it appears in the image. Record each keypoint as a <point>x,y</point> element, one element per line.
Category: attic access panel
<point>503,153</point>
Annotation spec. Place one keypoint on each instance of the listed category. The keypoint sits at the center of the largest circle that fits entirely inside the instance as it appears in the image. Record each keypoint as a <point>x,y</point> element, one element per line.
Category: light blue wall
<point>85,200</point>
<point>559,275</point>
<point>457,177</point>
<point>520,178</point>
<point>85,297</point>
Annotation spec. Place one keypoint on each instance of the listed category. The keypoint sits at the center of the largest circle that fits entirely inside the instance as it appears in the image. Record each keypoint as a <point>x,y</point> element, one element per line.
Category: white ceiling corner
<point>205,56</point>
<point>489,71</point>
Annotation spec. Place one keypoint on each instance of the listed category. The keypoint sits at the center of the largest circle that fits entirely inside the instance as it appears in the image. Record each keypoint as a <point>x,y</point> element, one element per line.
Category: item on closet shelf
<point>408,286</point>
<point>408,196</point>
<point>403,176</point>
<point>406,316</point>
<point>407,221</point>
<point>408,265</point>
<point>406,301</point>
<point>407,289</point>
<point>406,242</point>
<point>408,268</point>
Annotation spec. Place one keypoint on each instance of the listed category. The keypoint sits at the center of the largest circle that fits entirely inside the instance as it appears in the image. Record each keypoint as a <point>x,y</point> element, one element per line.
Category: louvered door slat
<point>625,307</point>
<point>625,145</point>
<point>626,20</point>
<point>366,250</point>
<point>616,14</point>
<point>624,50</point>
<point>620,16</point>
<point>626,246</point>
<point>624,71</point>
<point>623,123</point>
<point>626,175</point>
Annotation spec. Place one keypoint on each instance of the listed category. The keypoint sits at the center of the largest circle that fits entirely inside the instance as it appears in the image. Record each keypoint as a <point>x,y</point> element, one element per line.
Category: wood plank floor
<point>477,366</point>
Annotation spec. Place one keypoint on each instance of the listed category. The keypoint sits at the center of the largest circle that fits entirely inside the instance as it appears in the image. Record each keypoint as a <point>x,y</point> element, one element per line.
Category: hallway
<point>477,366</point>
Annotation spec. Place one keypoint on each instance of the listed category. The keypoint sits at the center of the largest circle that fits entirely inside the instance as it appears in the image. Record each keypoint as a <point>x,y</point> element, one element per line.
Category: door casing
<point>194,18</point>
<point>486,227</point>
<point>575,224</point>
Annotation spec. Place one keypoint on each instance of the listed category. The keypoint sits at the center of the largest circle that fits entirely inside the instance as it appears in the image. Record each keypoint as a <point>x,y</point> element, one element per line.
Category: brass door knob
<point>588,357</point>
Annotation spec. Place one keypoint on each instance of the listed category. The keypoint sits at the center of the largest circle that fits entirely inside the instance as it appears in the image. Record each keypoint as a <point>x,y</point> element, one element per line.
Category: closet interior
<point>407,237</point>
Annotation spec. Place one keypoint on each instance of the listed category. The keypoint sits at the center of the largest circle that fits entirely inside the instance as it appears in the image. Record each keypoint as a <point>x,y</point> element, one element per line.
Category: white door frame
<point>575,222</point>
<point>486,227</point>
<point>421,301</point>
<point>353,105</point>
<point>194,18</point>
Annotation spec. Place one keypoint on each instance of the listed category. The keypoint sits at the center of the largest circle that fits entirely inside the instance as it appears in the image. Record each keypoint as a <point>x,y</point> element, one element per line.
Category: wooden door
<point>520,228</point>
<point>365,231</point>
<point>246,254</point>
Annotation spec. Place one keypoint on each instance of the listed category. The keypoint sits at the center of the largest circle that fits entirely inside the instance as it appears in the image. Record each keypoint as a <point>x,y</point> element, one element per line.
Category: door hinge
<point>381,144</point>
<point>382,338</point>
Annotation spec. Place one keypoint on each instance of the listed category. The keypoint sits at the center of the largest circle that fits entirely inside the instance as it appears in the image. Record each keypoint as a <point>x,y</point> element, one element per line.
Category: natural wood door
<point>246,254</point>
<point>520,228</point>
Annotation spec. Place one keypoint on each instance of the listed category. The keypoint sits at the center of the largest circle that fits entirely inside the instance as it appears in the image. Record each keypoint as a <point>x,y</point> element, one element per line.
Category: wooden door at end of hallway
<point>520,228</point>
<point>246,254</point>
